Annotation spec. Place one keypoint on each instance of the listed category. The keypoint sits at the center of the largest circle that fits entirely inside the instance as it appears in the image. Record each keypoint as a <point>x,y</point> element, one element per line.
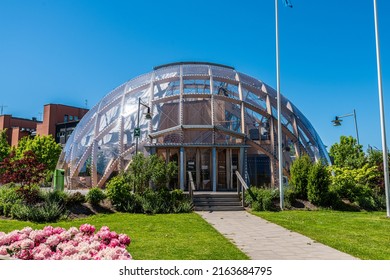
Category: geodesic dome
<point>193,106</point>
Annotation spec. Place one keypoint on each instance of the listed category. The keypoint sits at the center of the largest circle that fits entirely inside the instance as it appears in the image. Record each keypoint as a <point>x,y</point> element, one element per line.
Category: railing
<point>242,187</point>
<point>191,187</point>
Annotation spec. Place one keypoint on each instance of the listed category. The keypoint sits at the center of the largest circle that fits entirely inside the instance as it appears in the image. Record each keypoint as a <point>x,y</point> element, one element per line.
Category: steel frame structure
<point>193,104</point>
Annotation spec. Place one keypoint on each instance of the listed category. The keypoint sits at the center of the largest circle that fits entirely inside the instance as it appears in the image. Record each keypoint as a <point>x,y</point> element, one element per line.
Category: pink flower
<point>37,235</point>
<point>124,239</point>
<point>48,230</point>
<point>114,243</point>
<point>87,228</point>
<point>53,240</point>
<point>26,230</point>
<point>73,231</point>
<point>27,244</point>
<point>58,230</point>
<point>3,250</point>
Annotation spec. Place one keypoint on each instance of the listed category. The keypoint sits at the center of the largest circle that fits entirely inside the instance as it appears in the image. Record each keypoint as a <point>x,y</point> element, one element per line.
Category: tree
<point>347,153</point>
<point>299,172</point>
<point>5,148</point>
<point>46,150</point>
<point>25,171</point>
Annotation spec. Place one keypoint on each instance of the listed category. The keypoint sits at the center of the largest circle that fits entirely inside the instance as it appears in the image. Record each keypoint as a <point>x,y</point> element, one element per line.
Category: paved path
<point>262,240</point>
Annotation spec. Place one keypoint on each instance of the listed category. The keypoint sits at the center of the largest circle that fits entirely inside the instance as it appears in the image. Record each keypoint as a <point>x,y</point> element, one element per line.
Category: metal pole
<point>382,113</point>
<point>136,137</point>
<point>356,126</point>
<point>280,152</point>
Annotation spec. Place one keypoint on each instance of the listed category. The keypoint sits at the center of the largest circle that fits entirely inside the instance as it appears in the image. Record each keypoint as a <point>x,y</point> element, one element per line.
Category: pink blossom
<point>3,250</point>
<point>53,240</point>
<point>58,230</point>
<point>73,230</point>
<point>114,243</point>
<point>48,230</point>
<point>26,230</point>
<point>27,244</point>
<point>87,228</point>
<point>124,239</point>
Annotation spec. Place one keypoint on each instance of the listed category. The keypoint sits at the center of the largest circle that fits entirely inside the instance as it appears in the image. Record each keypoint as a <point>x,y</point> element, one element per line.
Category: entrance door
<point>227,165</point>
<point>205,170</point>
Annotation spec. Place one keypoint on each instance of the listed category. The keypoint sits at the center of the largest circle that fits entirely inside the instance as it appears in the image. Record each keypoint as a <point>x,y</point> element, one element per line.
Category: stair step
<point>218,203</point>
<point>219,208</point>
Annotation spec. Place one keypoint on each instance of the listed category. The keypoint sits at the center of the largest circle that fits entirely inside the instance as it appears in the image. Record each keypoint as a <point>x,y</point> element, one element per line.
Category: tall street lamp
<point>137,130</point>
<point>337,122</point>
<point>382,113</point>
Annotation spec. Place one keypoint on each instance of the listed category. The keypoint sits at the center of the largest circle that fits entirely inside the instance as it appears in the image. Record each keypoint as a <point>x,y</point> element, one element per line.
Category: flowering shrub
<point>60,244</point>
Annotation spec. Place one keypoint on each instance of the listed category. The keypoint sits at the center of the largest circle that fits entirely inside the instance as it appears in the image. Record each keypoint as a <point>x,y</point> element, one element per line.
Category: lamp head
<point>336,121</point>
<point>148,115</point>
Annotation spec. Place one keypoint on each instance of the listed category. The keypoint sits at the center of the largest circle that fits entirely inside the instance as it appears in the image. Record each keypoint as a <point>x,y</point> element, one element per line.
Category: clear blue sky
<point>66,51</point>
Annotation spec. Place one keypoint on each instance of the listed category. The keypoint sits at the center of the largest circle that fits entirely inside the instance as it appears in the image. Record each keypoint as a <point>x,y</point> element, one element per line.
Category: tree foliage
<point>299,173</point>
<point>347,153</point>
<point>46,150</point>
<point>25,171</point>
<point>154,169</point>
<point>5,148</point>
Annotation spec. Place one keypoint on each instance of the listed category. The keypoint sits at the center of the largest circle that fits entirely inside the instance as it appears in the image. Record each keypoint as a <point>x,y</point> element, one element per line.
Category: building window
<point>70,118</point>
<point>76,118</point>
<point>66,118</point>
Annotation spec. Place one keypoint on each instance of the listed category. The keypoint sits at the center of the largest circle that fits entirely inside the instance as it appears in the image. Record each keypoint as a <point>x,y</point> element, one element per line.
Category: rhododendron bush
<point>61,244</point>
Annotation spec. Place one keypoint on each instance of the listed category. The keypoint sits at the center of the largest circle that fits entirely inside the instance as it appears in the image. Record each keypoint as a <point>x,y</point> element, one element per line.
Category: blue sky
<point>71,51</point>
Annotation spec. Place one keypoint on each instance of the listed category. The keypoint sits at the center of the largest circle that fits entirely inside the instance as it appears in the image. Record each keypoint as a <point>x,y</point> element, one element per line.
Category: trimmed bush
<point>120,193</point>
<point>318,183</point>
<point>299,174</point>
<point>95,196</point>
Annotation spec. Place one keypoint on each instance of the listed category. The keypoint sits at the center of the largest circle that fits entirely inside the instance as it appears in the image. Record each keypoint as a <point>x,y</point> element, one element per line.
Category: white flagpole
<point>280,152</point>
<point>382,113</point>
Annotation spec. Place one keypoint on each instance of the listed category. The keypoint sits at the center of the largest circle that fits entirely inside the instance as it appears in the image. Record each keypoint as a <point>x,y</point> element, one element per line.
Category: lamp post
<point>337,122</point>
<point>382,113</point>
<point>137,130</point>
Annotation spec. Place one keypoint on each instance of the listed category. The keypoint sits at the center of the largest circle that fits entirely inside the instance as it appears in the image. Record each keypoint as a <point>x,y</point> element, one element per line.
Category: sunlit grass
<point>157,237</point>
<point>365,235</point>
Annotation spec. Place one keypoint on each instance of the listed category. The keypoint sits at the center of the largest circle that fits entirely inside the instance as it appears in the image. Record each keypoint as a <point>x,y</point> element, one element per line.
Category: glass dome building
<point>209,118</point>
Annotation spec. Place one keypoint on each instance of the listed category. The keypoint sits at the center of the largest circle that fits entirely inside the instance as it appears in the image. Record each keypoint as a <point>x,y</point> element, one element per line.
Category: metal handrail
<point>191,188</point>
<point>241,188</point>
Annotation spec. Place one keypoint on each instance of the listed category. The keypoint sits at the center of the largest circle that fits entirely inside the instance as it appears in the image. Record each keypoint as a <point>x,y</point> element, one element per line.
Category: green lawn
<point>157,237</point>
<point>365,235</point>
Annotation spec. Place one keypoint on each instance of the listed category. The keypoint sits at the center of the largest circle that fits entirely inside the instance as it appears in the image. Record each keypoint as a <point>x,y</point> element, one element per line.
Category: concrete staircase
<point>217,201</point>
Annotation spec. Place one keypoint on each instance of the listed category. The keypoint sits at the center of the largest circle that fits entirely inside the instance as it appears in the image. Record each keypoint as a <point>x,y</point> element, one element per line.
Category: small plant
<point>74,199</point>
<point>95,196</point>
<point>263,199</point>
<point>46,212</point>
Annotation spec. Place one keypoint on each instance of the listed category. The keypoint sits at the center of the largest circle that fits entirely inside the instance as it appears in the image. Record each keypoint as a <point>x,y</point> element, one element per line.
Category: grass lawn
<point>365,235</point>
<point>157,237</point>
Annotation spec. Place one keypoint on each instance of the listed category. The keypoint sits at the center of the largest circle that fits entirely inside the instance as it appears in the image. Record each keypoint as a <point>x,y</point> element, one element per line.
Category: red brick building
<point>58,120</point>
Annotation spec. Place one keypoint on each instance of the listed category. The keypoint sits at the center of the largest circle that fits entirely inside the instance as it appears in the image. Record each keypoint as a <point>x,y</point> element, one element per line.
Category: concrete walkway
<point>262,240</point>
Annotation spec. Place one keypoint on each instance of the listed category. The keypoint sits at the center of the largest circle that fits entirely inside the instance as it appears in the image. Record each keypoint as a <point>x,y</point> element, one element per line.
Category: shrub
<point>46,212</point>
<point>318,183</point>
<point>263,199</point>
<point>120,194</point>
<point>75,198</point>
<point>95,196</point>
<point>289,197</point>
<point>299,172</point>
<point>8,197</point>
